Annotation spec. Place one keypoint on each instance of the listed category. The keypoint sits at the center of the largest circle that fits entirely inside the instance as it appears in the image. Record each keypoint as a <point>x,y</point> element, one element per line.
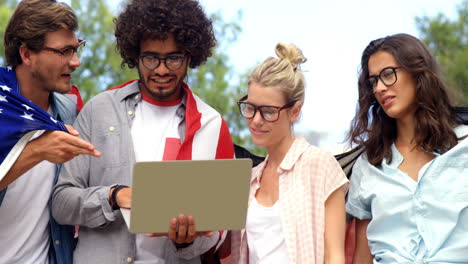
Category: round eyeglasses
<point>387,75</point>
<point>172,62</point>
<point>267,112</point>
<point>67,52</point>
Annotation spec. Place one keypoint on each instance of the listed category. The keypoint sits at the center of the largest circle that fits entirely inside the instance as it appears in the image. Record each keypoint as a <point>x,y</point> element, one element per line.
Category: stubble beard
<point>42,80</point>
<point>161,96</point>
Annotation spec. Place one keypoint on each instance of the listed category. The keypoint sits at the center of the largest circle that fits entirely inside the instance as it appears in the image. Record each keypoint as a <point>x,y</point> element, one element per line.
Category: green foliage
<point>216,82</point>
<point>8,3</point>
<point>448,41</point>
<point>6,9</point>
<point>100,63</point>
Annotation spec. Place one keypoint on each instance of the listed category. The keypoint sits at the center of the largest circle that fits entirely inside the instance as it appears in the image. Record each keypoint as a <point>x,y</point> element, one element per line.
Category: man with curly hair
<point>156,117</point>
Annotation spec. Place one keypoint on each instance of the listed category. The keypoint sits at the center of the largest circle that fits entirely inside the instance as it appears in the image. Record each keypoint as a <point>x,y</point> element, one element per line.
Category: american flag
<point>19,120</point>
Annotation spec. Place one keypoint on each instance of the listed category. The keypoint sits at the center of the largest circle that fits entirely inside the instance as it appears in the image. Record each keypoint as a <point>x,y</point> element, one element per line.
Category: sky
<point>332,35</point>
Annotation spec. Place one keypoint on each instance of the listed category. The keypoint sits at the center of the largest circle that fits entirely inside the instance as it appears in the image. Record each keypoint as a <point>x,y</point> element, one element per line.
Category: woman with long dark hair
<point>409,190</point>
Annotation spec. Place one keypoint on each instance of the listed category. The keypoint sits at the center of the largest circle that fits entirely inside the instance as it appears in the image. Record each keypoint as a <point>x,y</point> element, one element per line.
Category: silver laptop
<point>214,192</point>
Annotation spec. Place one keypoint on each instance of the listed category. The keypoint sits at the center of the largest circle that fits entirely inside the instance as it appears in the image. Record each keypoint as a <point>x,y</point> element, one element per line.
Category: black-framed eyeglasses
<point>67,52</point>
<point>172,62</point>
<point>268,112</point>
<point>387,75</point>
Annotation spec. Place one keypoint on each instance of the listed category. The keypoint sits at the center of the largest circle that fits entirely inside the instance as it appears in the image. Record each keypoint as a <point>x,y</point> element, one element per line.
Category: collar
<point>257,172</point>
<point>397,158</point>
<point>153,101</point>
<point>131,90</point>
<point>298,147</point>
<point>126,90</point>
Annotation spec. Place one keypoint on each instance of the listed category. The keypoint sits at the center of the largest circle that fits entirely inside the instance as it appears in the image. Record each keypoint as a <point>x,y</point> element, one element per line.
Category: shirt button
<point>130,113</point>
<point>129,259</point>
<point>111,128</point>
<point>57,242</point>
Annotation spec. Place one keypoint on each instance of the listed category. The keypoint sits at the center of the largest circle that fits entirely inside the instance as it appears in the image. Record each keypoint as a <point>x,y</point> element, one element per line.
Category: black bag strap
<point>241,152</point>
<point>462,114</point>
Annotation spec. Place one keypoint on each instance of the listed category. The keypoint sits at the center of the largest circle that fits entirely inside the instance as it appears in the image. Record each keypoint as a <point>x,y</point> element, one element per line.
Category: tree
<point>448,41</point>
<point>215,82</point>
<point>100,63</point>
<point>6,9</point>
<point>220,86</point>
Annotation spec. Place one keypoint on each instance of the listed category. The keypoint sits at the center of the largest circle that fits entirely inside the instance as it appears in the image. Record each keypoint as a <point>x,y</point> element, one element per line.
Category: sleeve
<point>225,148</point>
<point>355,204</point>
<point>199,246</point>
<point>335,177</point>
<point>73,201</point>
<point>235,253</point>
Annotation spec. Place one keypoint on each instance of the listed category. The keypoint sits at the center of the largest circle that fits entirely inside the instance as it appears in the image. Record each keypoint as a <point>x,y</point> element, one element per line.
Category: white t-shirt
<point>24,216</point>
<point>155,137</point>
<point>155,131</point>
<point>265,237</point>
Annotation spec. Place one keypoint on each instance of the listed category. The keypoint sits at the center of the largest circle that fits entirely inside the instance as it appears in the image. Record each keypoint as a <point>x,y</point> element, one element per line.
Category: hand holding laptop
<point>182,230</point>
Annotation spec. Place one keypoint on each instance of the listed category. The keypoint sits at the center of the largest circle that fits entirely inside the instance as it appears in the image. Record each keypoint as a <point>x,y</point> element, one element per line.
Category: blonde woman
<point>296,208</point>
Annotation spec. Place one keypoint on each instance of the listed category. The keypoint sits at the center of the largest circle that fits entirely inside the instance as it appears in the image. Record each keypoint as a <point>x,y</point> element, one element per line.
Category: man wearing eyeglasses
<point>156,117</point>
<point>36,95</point>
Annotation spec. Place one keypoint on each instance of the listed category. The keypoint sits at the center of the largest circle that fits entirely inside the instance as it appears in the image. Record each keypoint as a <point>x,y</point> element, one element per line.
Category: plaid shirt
<point>307,176</point>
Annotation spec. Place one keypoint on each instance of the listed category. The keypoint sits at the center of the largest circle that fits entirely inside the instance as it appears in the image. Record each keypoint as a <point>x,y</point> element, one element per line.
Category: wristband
<point>113,199</point>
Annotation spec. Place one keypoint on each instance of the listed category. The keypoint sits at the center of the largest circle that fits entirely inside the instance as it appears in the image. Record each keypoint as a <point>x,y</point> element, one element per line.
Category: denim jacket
<point>62,236</point>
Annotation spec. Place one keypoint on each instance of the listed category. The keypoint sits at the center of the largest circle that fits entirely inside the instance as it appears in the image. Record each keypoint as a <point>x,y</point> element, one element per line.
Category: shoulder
<point>205,109</point>
<point>306,157</point>
<point>197,107</point>
<point>461,131</point>
<point>116,94</point>
<point>362,167</point>
<point>362,163</point>
<point>317,155</point>
<point>459,151</point>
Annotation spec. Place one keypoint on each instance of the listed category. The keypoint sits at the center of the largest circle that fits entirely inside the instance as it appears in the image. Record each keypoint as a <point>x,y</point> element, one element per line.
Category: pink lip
<point>387,100</point>
<point>257,132</point>
<point>66,76</point>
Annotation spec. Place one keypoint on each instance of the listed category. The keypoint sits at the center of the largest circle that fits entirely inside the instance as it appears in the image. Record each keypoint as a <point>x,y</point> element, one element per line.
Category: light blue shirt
<point>414,222</point>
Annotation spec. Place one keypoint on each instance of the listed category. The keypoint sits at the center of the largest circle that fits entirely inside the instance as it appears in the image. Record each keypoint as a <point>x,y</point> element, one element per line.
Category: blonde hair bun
<point>291,53</point>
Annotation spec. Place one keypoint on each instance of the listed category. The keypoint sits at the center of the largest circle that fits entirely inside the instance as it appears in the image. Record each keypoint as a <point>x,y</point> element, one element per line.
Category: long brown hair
<point>434,116</point>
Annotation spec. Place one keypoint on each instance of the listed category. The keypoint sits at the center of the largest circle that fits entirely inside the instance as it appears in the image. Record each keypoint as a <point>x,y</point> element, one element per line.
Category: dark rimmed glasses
<point>67,52</point>
<point>268,112</point>
<point>387,75</point>
<point>172,62</point>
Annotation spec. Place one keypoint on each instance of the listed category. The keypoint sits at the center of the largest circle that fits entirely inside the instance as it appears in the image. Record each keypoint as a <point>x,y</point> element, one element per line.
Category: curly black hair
<point>156,19</point>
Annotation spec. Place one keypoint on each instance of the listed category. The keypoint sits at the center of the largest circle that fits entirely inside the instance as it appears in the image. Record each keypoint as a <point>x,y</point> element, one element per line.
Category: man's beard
<point>161,96</point>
